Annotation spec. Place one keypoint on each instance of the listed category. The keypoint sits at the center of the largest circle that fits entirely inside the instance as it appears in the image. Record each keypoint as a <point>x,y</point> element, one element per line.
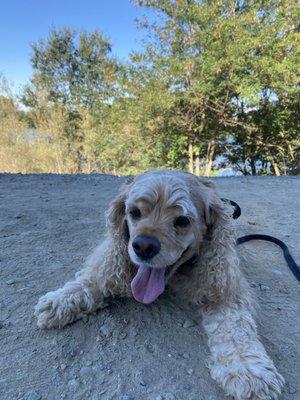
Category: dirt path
<point>48,226</point>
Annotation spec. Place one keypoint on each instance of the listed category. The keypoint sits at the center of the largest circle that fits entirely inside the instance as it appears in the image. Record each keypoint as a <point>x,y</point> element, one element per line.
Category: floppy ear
<point>214,211</point>
<point>218,270</point>
<point>115,216</point>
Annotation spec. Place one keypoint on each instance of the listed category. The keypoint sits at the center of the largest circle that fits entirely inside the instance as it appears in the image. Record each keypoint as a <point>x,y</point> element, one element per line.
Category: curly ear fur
<point>218,275</point>
<point>115,216</point>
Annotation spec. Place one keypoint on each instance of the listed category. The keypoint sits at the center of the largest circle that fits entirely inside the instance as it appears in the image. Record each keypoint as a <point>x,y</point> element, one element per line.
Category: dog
<point>157,224</point>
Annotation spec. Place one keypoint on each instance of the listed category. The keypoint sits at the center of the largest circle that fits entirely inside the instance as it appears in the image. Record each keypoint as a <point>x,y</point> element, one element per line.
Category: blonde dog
<point>160,221</point>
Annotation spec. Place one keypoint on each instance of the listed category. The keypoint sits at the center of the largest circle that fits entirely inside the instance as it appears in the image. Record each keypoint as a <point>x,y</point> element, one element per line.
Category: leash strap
<point>286,253</point>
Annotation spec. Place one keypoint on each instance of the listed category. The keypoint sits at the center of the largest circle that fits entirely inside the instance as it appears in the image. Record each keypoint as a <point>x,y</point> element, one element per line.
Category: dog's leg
<point>103,277</point>
<point>239,362</point>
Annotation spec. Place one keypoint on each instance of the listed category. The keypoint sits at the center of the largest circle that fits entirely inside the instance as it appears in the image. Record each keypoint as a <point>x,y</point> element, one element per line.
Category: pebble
<point>10,281</point>
<point>85,371</point>
<point>126,397</point>
<point>123,335</point>
<point>32,395</point>
<point>73,384</point>
<point>186,356</point>
<point>63,367</point>
<point>169,396</point>
<point>190,371</point>
<point>89,363</point>
<point>263,287</point>
<point>105,331</point>
<point>189,323</point>
<point>185,386</point>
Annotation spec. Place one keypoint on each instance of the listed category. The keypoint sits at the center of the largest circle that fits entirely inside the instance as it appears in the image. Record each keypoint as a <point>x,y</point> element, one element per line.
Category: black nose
<point>146,247</point>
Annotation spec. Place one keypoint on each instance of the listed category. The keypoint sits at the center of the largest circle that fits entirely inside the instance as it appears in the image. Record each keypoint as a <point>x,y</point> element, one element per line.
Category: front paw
<point>252,380</point>
<point>53,311</point>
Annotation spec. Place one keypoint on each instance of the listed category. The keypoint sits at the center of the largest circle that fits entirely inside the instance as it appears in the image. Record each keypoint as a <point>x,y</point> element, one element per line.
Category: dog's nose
<point>146,247</point>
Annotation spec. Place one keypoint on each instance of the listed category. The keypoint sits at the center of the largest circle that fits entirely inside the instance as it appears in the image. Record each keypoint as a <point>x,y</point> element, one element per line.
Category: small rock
<point>263,287</point>
<point>126,397</point>
<point>190,371</point>
<point>185,386</point>
<point>73,384</point>
<point>159,397</point>
<point>253,284</point>
<point>18,216</point>
<point>123,335</point>
<point>105,331</point>
<point>186,356</point>
<point>143,383</point>
<point>189,323</point>
<point>63,367</point>
<point>89,363</point>
<point>10,281</point>
<point>169,355</point>
<point>32,395</point>
<point>73,352</point>
<point>85,371</point>
<point>277,272</point>
<point>109,371</point>
<point>169,396</point>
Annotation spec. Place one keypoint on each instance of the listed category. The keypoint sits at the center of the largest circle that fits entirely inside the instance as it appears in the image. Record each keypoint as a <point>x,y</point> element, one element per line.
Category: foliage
<point>215,77</point>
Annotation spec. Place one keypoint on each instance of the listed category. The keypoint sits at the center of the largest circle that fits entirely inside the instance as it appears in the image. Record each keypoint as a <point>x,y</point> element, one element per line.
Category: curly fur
<point>239,362</point>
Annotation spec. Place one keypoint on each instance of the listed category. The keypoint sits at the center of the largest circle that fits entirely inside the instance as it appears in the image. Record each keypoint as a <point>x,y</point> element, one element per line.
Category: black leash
<point>286,253</point>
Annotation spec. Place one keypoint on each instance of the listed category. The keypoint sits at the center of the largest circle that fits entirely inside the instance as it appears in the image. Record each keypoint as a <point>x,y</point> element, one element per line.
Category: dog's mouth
<point>149,283</point>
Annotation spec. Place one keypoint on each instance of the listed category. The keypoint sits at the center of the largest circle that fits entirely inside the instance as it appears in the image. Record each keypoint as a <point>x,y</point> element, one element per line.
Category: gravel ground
<point>50,223</point>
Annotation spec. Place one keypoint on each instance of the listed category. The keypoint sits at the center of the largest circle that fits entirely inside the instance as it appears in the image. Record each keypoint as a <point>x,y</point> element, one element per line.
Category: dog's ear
<point>218,255</point>
<point>115,215</point>
<point>211,209</point>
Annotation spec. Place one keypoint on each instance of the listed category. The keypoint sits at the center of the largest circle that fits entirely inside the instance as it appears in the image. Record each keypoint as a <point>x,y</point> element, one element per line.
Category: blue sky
<point>25,21</point>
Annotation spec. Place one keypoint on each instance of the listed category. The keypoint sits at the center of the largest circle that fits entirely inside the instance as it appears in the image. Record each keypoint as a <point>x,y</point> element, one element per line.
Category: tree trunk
<point>197,165</point>
<point>191,158</point>
<point>276,169</point>
<point>210,156</point>
<point>253,167</point>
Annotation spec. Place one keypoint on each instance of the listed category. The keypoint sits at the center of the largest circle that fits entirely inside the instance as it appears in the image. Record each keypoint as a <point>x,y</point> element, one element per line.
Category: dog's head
<point>163,216</point>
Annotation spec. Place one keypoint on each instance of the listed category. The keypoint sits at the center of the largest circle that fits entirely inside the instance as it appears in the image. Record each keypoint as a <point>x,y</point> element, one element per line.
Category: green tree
<point>215,54</point>
<point>73,73</point>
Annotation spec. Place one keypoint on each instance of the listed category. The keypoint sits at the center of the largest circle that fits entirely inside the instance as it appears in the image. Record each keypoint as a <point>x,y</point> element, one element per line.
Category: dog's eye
<point>181,222</point>
<point>135,213</point>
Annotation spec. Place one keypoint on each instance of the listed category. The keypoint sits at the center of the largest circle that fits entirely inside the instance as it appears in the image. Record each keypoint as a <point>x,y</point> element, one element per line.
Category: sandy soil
<point>49,224</point>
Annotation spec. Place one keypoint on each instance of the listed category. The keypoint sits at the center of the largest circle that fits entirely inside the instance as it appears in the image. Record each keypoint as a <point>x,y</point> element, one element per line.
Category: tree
<point>73,74</point>
<point>213,55</point>
<point>13,133</point>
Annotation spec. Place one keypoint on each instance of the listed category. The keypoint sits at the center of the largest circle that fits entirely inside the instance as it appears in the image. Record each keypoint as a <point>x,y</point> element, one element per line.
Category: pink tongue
<point>148,284</point>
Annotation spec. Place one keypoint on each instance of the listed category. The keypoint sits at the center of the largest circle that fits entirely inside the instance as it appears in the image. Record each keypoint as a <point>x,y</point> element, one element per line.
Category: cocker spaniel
<point>156,226</point>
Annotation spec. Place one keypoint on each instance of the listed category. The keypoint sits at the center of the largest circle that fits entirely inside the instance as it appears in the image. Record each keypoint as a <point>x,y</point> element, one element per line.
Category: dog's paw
<point>53,310</point>
<point>249,382</point>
